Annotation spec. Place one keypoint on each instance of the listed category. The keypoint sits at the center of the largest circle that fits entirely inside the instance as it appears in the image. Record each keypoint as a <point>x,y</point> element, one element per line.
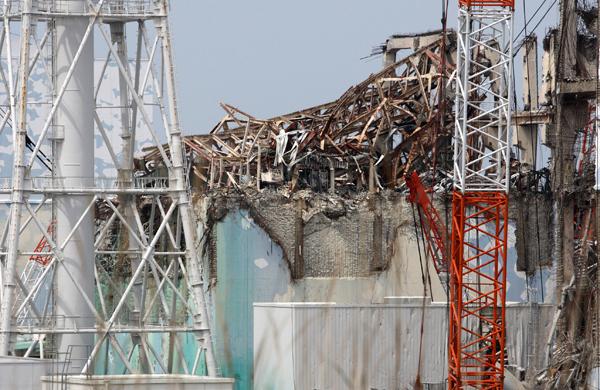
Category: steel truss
<point>480,200</point>
<point>482,143</point>
<point>158,287</point>
<point>478,290</point>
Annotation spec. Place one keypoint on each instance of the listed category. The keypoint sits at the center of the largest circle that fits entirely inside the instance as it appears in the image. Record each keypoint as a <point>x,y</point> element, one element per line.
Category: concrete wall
<point>22,374</point>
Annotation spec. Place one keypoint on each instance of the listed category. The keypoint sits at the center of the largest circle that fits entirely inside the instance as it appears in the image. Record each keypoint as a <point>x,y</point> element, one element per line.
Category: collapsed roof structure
<point>371,136</point>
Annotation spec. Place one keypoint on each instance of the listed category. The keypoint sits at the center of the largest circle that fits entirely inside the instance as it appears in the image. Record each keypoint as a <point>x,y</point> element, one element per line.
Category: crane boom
<point>477,290</point>
<point>434,231</point>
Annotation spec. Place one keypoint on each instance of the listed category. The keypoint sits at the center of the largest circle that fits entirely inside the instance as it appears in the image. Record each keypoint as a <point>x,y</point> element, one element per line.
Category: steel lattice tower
<point>480,200</point>
<point>157,289</point>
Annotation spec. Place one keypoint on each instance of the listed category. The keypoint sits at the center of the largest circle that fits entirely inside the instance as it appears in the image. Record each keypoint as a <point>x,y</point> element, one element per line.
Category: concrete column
<point>527,134</point>
<point>74,153</point>
<point>530,82</point>
<point>527,142</point>
<point>389,58</point>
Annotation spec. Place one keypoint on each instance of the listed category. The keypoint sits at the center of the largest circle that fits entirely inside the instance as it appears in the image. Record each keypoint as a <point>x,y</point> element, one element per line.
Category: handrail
<point>89,183</point>
<point>77,7</point>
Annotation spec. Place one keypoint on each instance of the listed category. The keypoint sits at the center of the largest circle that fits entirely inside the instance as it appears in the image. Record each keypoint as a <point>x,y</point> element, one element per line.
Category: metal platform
<point>132,382</point>
<point>122,10</point>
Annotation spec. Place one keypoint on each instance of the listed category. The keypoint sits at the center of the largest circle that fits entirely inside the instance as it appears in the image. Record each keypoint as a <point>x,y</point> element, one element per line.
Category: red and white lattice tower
<point>480,200</point>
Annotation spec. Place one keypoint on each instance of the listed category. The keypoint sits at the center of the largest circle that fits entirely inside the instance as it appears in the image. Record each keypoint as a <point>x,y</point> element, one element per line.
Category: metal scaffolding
<point>158,288</point>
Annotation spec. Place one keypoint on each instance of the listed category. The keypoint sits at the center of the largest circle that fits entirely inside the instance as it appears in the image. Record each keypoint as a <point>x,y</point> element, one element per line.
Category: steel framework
<point>480,200</point>
<point>140,222</point>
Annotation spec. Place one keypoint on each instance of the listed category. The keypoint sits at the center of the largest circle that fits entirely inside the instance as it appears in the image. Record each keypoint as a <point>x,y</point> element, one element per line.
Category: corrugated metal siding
<point>367,347</point>
<point>377,347</point>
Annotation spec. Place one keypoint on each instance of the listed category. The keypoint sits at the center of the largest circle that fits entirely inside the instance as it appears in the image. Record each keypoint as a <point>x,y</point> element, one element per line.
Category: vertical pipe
<point>372,174</point>
<point>258,168</point>
<point>331,176</point>
<point>74,156</point>
<point>508,36</point>
<point>125,176</point>
<point>119,37</point>
<point>465,18</point>
<point>17,200</point>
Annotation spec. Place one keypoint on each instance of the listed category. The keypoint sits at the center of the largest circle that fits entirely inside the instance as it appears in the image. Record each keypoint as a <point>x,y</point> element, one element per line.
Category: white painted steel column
<point>9,282</point>
<point>177,177</point>
<point>74,152</point>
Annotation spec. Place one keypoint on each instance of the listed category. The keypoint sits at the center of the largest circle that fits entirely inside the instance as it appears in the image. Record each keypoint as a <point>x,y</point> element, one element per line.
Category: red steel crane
<point>477,288</point>
<point>434,230</point>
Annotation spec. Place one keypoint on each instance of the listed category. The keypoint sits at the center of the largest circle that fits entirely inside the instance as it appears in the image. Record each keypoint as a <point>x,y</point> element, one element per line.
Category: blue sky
<point>269,57</point>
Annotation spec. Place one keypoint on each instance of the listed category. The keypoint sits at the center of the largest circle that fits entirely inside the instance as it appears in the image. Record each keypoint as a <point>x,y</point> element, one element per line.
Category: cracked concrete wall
<point>533,215</point>
<point>362,248</point>
<point>327,241</point>
<point>253,249</point>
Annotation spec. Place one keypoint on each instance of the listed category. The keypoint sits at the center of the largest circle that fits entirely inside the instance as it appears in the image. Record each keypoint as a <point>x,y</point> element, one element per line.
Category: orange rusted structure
<point>478,290</point>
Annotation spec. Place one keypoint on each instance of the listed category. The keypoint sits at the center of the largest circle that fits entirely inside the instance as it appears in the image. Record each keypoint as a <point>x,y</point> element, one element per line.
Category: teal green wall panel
<point>250,268</point>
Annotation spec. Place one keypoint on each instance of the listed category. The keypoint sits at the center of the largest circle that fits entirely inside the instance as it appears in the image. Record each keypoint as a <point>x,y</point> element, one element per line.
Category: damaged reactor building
<point>434,227</point>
